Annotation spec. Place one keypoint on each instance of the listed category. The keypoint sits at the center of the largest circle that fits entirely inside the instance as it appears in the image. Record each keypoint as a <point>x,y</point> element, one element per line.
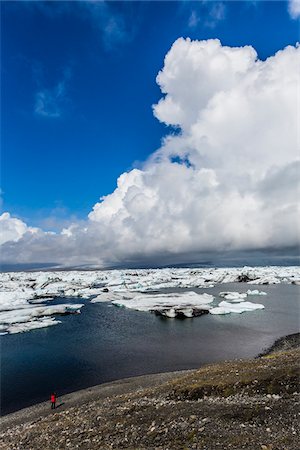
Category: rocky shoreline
<point>252,404</point>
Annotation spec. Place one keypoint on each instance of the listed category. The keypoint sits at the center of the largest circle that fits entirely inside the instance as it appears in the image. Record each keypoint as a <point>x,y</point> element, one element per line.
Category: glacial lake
<point>105,343</point>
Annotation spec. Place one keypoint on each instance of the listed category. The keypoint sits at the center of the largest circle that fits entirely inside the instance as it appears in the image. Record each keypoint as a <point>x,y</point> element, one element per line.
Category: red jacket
<point>53,398</point>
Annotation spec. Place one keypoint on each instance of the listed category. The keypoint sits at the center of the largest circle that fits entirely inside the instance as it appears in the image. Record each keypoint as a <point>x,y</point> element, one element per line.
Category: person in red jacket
<point>53,400</point>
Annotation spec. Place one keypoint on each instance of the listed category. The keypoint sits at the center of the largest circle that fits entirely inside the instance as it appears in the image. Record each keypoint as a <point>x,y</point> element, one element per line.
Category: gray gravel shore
<point>79,398</point>
<point>241,404</point>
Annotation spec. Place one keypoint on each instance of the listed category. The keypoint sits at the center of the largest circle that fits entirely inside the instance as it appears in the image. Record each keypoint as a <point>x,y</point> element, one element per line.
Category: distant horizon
<point>230,262</point>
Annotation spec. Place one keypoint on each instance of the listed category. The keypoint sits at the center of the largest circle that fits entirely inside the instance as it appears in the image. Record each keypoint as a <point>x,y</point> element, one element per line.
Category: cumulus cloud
<point>12,229</point>
<point>294,8</point>
<point>227,180</point>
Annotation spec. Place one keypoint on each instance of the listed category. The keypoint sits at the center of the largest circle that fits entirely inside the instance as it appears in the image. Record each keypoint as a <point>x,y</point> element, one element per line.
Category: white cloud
<point>113,26</point>
<point>228,181</point>
<point>294,8</point>
<point>209,14</point>
<point>12,229</point>
<point>216,14</point>
<point>194,19</point>
<point>48,102</point>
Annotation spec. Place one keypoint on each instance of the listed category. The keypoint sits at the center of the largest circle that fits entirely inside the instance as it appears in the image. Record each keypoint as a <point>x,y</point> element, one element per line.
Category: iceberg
<point>187,304</point>
<point>18,299</point>
<point>31,325</point>
<point>237,308</point>
<point>31,317</point>
<point>233,296</point>
<point>240,296</point>
<point>255,292</point>
<point>140,289</point>
<point>265,280</point>
<point>113,296</point>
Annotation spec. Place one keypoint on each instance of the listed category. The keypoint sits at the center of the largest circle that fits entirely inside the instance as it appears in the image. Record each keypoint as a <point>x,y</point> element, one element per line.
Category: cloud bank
<point>12,229</point>
<point>225,178</point>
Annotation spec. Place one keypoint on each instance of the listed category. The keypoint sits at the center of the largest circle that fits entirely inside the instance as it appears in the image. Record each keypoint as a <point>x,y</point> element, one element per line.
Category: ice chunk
<point>256,292</point>
<point>34,314</point>
<point>32,325</point>
<point>265,280</point>
<point>170,312</point>
<point>233,296</point>
<point>164,302</point>
<point>15,300</point>
<point>24,315</point>
<point>187,312</point>
<point>238,308</point>
<point>112,296</point>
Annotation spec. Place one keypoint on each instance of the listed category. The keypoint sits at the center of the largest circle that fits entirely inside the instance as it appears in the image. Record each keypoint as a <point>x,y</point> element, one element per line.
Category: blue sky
<point>78,82</point>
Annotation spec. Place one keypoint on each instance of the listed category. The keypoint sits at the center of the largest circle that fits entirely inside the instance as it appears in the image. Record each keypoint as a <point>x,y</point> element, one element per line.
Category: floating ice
<point>256,292</point>
<point>265,280</point>
<point>146,302</point>
<point>32,325</point>
<point>9,301</point>
<point>135,289</point>
<point>233,296</point>
<point>112,296</point>
<point>238,308</point>
<point>187,304</point>
<point>23,315</point>
<point>31,317</point>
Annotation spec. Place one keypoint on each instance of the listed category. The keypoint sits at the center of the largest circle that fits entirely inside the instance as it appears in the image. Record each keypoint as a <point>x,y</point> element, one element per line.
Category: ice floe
<point>238,308</point>
<point>28,295</point>
<point>43,322</point>
<point>187,304</point>
<point>233,296</point>
<point>32,317</point>
<point>255,292</point>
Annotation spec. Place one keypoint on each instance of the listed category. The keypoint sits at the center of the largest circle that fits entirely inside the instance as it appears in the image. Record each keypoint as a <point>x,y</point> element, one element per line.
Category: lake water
<point>106,343</point>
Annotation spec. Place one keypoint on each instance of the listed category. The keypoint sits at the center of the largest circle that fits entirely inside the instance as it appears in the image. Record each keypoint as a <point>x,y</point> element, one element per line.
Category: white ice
<point>255,292</point>
<point>32,317</point>
<point>233,296</point>
<point>148,302</point>
<point>32,325</point>
<point>137,289</point>
<point>238,308</point>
